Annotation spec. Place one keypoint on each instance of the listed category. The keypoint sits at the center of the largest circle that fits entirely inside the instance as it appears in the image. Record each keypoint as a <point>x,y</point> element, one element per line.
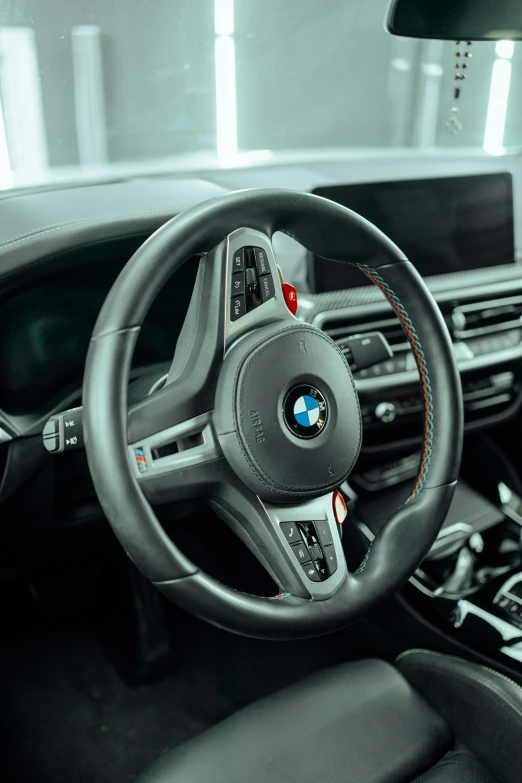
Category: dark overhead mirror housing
<point>468,20</point>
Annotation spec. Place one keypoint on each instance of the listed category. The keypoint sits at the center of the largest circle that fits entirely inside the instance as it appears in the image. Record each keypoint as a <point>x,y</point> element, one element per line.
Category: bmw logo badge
<point>305,411</point>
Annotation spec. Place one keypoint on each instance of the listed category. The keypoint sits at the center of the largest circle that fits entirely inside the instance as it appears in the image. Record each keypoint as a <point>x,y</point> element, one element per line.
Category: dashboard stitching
<point>82,221</point>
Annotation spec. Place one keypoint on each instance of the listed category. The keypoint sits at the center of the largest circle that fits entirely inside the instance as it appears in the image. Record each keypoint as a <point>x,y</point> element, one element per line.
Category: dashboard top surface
<point>43,233</point>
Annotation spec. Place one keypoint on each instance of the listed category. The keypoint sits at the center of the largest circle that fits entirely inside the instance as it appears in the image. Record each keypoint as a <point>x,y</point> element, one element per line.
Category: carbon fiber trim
<point>481,281</point>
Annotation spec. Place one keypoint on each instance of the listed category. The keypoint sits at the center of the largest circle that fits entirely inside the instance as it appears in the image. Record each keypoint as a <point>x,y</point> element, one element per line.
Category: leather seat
<point>431,718</point>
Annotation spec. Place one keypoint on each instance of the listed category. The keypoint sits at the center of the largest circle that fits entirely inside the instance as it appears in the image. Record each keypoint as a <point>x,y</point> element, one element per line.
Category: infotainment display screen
<point>442,225</point>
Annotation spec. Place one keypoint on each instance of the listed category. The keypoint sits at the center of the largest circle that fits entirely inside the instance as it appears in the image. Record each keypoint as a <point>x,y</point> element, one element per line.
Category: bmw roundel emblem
<point>305,411</point>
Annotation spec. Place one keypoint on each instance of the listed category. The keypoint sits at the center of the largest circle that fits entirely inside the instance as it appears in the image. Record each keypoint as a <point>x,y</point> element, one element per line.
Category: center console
<point>459,233</point>
<point>472,578</point>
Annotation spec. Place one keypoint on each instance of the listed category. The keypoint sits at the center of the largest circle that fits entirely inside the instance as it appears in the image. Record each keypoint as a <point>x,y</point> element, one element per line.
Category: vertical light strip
<point>225,64</point>
<point>226,110</point>
<point>505,49</point>
<point>224,17</point>
<point>6,177</point>
<point>89,97</point>
<point>498,99</point>
<point>22,103</point>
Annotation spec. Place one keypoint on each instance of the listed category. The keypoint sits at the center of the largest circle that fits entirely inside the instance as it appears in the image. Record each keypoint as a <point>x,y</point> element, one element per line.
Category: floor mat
<point>66,715</point>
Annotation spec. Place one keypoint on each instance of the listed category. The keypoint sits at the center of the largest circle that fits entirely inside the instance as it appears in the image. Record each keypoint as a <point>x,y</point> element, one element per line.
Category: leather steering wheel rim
<point>325,229</point>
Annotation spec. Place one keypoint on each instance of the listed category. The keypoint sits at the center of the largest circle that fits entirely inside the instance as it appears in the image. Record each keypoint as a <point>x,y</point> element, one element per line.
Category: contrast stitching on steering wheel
<point>425,383</point>
<point>364,560</point>
<point>423,370</point>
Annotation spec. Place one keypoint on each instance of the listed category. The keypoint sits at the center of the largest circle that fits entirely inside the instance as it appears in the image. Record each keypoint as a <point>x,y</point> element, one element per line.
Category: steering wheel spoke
<point>299,545</point>
<point>237,290</point>
<point>180,462</point>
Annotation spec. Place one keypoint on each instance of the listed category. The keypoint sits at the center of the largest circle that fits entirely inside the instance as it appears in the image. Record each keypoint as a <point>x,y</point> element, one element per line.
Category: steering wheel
<point>259,415</point>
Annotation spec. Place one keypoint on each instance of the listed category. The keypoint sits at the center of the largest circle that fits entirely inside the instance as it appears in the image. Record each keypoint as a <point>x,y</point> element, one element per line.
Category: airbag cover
<point>263,383</point>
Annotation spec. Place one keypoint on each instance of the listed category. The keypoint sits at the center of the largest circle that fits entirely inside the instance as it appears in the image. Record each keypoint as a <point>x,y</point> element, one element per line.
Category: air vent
<point>478,327</point>
<point>479,319</point>
<point>386,323</point>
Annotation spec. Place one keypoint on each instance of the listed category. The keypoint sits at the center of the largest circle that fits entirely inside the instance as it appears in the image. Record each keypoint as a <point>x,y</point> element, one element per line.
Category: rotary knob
<point>386,412</point>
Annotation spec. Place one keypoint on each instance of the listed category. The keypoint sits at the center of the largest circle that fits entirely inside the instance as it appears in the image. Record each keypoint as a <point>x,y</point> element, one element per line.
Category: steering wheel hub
<point>287,413</point>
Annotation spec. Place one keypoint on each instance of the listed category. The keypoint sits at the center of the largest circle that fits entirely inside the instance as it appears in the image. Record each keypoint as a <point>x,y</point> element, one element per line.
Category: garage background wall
<point>309,75</point>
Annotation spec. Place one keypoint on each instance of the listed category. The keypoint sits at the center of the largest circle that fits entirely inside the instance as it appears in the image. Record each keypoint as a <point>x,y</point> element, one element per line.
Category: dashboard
<point>62,248</point>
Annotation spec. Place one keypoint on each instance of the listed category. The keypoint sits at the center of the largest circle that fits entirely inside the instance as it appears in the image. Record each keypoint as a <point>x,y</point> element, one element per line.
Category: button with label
<point>263,267</point>
<point>324,532</point>
<point>290,530</point>
<point>72,429</point>
<point>301,552</point>
<point>290,296</point>
<point>238,260</point>
<point>322,568</point>
<point>238,284</point>
<point>237,307</point>
<point>311,573</point>
<point>266,286</point>
<point>331,558</point>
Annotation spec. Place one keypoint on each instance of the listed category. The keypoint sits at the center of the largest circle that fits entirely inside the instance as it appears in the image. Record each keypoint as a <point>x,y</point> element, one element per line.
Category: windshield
<point>106,86</point>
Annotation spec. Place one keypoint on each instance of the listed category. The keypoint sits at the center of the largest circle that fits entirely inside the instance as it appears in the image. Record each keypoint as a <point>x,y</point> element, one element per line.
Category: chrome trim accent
<point>505,590</point>
<point>464,363</point>
<point>505,629</point>
<point>207,451</point>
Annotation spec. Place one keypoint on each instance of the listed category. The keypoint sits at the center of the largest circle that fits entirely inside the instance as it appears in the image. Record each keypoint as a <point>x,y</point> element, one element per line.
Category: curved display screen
<point>442,225</point>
